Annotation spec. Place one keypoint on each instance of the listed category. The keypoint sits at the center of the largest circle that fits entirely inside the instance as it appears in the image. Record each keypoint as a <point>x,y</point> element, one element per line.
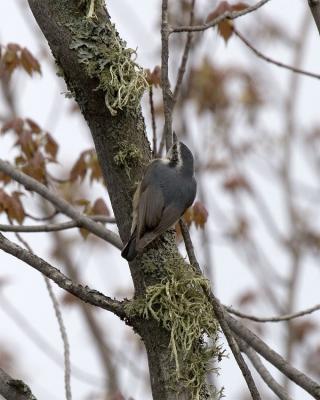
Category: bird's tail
<point>129,252</point>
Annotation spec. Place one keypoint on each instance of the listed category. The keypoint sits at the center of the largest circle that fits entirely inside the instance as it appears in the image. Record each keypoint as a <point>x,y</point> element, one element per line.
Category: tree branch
<point>63,206</point>
<point>274,319</point>
<point>315,10</point>
<point>221,317</point>
<point>185,55</point>
<point>271,60</point>
<point>84,293</point>
<point>62,328</point>
<point>226,15</point>
<point>263,372</point>
<point>41,342</point>
<point>64,338</point>
<point>14,389</point>
<point>153,123</point>
<point>165,83</point>
<point>274,358</point>
<point>52,227</point>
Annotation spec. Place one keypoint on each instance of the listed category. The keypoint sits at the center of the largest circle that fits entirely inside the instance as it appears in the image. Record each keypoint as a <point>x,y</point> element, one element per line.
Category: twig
<point>286,172</point>
<point>189,246</point>
<point>220,315</point>
<point>185,55</point>
<point>65,341</point>
<point>84,293</point>
<point>41,342</point>
<point>63,206</point>
<point>227,15</point>
<point>51,216</point>
<point>52,227</point>
<point>170,99</point>
<point>153,122</point>
<point>274,319</point>
<point>274,358</point>
<point>315,9</point>
<point>99,335</point>
<point>271,60</point>
<point>62,328</point>
<point>14,389</point>
<point>165,84</point>
<point>262,371</point>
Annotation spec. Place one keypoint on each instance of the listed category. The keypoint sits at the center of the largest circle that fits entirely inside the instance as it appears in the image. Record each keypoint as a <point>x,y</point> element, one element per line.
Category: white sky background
<point>40,99</point>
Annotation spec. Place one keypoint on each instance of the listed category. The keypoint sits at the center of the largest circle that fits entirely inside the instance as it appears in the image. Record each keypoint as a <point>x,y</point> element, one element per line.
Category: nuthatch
<point>167,189</point>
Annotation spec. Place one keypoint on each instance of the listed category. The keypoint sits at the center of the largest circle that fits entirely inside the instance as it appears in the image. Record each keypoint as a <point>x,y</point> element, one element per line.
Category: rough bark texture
<point>14,389</point>
<point>108,132</point>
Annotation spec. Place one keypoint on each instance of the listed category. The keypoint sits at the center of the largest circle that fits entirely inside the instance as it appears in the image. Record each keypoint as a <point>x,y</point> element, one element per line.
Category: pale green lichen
<point>128,156</point>
<point>90,6</point>
<point>106,58</point>
<point>180,305</point>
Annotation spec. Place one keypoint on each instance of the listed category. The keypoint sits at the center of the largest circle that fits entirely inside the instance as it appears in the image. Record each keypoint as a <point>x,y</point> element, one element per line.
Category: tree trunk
<point>110,133</point>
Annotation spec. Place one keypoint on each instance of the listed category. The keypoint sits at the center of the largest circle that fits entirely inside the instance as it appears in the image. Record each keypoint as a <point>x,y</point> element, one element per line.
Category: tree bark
<point>14,389</point>
<point>108,132</point>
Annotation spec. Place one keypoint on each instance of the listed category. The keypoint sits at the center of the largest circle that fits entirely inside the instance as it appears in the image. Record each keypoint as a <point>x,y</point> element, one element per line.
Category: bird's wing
<point>150,209</point>
<point>170,216</point>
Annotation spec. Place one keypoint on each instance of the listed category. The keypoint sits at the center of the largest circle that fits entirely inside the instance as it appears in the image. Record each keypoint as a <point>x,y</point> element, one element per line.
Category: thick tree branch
<point>84,293</point>
<point>14,389</point>
<point>262,371</point>
<point>81,220</point>
<point>52,227</point>
<point>274,319</point>
<point>274,358</point>
<point>216,21</point>
<point>271,60</point>
<point>315,10</point>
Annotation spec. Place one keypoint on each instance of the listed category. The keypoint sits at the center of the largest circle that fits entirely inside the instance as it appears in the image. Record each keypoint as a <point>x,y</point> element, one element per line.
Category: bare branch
<point>42,343</point>
<point>274,358</point>
<point>64,337</point>
<point>220,314</point>
<point>315,9</point>
<point>14,389</point>
<point>63,206</point>
<point>84,293</point>
<point>185,55</point>
<point>52,227</point>
<point>153,121</point>
<point>47,218</point>
<point>274,319</point>
<point>99,335</point>
<point>262,371</point>
<point>271,60</point>
<point>227,15</point>
<point>165,84</point>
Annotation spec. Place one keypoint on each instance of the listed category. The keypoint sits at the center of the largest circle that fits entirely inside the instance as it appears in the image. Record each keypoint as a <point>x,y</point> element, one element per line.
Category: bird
<point>167,189</point>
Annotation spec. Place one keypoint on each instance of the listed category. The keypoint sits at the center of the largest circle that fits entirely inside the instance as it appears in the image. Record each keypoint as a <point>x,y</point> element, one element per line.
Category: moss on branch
<point>106,58</point>
<point>178,303</point>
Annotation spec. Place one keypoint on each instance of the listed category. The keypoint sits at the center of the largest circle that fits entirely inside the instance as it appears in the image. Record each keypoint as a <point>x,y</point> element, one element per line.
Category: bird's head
<point>180,157</point>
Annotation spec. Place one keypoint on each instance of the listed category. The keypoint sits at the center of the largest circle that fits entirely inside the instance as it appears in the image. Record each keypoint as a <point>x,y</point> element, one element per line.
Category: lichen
<point>128,156</point>
<point>106,58</point>
<point>180,305</point>
<point>90,6</point>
